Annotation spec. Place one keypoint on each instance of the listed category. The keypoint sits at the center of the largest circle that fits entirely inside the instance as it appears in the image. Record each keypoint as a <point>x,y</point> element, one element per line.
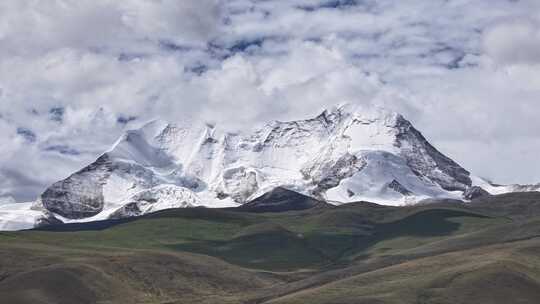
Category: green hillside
<point>486,251</point>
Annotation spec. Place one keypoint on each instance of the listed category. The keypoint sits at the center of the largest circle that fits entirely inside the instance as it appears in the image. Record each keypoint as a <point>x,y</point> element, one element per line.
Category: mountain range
<point>345,154</point>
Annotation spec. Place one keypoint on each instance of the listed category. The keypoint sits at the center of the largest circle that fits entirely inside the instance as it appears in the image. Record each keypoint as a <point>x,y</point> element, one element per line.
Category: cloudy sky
<point>74,74</point>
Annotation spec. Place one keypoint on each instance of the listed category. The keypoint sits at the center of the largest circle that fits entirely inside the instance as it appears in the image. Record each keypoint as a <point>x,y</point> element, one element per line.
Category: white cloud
<point>514,42</point>
<point>31,27</point>
<point>78,73</point>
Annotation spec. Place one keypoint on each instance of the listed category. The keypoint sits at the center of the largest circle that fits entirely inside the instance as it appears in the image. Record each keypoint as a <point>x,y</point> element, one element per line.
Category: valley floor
<point>487,251</point>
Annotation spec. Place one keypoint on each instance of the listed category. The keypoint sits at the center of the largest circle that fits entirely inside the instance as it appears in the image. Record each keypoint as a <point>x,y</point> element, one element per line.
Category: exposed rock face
<point>474,192</point>
<point>240,183</point>
<point>81,194</point>
<point>128,210</point>
<point>525,188</point>
<point>396,186</point>
<point>47,219</point>
<point>428,162</point>
<point>327,173</point>
<point>155,199</point>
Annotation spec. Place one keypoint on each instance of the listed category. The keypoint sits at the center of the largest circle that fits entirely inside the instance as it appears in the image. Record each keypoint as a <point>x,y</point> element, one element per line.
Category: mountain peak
<point>360,113</point>
<point>347,153</point>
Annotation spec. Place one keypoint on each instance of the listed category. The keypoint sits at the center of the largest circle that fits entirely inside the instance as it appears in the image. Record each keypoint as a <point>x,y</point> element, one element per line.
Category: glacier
<point>345,154</point>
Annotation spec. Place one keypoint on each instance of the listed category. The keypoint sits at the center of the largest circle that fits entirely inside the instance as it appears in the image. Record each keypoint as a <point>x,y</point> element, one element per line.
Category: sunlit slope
<point>355,253</point>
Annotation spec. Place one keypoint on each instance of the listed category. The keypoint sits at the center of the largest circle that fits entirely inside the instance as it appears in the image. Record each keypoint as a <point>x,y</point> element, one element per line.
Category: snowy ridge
<point>19,216</point>
<point>501,189</point>
<point>343,155</point>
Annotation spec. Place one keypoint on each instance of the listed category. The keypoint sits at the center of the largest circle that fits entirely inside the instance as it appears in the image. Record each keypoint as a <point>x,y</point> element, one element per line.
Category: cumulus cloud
<point>74,75</point>
<point>32,27</point>
<point>514,42</point>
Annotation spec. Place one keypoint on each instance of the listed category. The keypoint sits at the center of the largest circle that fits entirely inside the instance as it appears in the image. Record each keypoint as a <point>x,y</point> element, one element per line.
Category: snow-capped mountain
<point>343,155</point>
<point>495,189</point>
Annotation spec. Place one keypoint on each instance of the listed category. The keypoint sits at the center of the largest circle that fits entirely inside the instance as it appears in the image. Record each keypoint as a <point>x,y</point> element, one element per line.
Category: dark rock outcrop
<point>474,192</point>
<point>128,210</point>
<point>426,161</point>
<point>399,188</point>
<point>281,200</point>
<point>81,194</point>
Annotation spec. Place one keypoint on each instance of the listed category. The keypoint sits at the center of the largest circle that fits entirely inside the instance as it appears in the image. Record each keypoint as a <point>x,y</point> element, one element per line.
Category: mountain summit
<point>343,155</point>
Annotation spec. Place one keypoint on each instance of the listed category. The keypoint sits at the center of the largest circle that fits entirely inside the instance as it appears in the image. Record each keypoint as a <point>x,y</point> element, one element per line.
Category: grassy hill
<point>487,251</point>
